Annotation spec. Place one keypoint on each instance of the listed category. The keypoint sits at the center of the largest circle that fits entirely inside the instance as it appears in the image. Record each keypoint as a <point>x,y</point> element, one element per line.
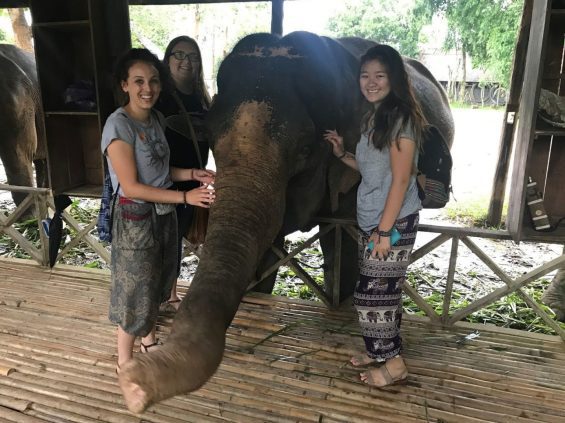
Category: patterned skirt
<point>144,264</point>
<point>378,294</point>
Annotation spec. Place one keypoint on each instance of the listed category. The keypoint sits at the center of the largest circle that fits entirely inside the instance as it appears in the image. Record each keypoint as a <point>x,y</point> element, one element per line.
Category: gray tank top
<point>376,179</point>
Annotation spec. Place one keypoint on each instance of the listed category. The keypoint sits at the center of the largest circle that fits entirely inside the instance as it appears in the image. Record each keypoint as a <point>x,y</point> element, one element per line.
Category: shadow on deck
<point>285,361</point>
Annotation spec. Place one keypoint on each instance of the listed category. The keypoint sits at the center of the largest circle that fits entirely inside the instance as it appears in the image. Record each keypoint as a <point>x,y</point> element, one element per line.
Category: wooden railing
<point>42,200</point>
<point>444,234</point>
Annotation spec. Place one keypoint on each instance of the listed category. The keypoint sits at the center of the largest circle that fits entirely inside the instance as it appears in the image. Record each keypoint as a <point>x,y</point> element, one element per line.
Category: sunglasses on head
<point>181,55</point>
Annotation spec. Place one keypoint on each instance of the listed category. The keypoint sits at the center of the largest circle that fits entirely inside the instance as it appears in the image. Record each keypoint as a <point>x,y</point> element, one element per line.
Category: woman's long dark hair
<point>399,105</point>
<point>200,87</point>
<point>124,63</point>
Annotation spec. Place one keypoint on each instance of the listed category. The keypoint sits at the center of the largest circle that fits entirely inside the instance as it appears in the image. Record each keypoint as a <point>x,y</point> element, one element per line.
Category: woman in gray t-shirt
<point>144,229</point>
<point>387,207</point>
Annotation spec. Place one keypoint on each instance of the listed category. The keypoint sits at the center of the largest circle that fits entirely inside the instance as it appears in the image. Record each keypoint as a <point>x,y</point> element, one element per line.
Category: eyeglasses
<point>181,55</point>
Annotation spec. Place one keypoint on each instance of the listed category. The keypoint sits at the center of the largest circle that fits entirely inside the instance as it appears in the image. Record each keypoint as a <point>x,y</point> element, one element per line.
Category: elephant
<point>275,174</point>
<point>374,316</point>
<point>22,130</point>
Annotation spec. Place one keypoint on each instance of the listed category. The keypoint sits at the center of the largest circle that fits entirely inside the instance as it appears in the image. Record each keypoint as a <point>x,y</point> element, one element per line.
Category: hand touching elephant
<point>275,174</point>
<point>22,133</point>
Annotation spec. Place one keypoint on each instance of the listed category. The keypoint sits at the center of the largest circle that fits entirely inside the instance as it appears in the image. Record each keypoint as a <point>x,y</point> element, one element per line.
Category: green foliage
<point>150,23</point>
<point>4,21</point>
<point>472,213</point>
<point>485,29</point>
<point>29,230</point>
<point>510,311</point>
<point>383,21</point>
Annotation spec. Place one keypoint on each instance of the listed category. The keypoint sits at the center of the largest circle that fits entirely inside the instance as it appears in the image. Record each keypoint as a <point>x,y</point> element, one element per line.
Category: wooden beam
<point>510,118</point>
<point>172,2</point>
<point>525,129</point>
<point>9,4</point>
<point>277,12</point>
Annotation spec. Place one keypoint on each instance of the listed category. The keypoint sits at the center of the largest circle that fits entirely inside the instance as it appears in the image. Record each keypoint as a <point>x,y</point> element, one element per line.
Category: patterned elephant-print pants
<point>378,294</point>
<point>144,264</point>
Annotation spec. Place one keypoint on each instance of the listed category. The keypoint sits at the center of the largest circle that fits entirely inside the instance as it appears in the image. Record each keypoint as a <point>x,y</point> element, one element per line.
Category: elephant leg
<point>554,295</point>
<point>19,141</point>
<point>349,267</point>
<point>19,172</point>
<point>40,166</point>
<point>270,258</point>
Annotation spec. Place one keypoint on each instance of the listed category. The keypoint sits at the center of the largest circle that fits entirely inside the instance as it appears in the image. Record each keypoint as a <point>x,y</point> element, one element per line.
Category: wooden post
<point>277,17</point>
<point>510,115</point>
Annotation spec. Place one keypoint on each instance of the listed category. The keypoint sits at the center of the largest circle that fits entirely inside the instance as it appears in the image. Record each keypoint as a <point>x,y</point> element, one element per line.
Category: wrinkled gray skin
<point>275,174</point>
<point>554,295</point>
<point>22,134</point>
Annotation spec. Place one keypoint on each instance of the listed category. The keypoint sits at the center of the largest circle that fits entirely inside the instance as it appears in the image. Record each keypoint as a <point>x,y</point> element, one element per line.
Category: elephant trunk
<point>244,220</point>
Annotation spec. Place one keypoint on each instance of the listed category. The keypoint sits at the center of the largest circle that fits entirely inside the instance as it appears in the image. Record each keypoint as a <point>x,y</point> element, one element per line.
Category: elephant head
<point>22,131</point>
<point>275,174</point>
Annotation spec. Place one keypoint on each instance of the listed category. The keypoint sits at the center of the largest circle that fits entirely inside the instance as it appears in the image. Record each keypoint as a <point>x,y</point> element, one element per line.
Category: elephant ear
<point>327,85</point>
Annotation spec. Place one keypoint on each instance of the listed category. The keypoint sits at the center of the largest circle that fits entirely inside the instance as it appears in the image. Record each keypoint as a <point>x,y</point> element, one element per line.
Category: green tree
<point>485,29</point>
<point>4,18</point>
<point>386,22</point>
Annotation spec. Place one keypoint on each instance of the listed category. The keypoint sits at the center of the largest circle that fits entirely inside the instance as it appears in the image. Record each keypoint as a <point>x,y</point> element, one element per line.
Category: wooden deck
<point>286,361</point>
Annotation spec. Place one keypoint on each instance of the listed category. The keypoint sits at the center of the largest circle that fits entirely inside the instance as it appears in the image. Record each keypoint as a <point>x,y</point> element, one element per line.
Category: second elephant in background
<point>184,61</point>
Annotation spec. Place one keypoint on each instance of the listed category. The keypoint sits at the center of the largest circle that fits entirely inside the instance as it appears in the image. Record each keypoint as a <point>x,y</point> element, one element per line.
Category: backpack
<point>106,212</point>
<point>434,171</point>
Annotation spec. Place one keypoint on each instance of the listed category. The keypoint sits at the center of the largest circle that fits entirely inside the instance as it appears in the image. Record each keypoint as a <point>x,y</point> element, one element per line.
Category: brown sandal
<point>145,348</point>
<point>367,377</point>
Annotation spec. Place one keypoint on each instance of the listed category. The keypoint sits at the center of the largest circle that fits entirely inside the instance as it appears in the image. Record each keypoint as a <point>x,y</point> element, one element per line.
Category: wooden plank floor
<point>286,361</point>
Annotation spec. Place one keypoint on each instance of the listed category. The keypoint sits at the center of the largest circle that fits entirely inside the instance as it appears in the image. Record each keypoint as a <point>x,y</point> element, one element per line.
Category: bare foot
<point>361,360</point>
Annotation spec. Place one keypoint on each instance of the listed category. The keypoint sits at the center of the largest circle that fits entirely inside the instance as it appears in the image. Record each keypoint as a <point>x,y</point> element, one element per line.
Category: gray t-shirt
<point>150,147</point>
<point>376,179</point>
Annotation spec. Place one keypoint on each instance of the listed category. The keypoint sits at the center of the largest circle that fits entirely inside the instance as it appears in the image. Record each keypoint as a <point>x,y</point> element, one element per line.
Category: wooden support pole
<point>277,10</point>
<point>336,280</point>
<point>510,116</point>
<point>450,278</point>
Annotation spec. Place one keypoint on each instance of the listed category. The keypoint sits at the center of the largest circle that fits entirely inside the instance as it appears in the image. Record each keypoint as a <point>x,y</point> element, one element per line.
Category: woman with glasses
<point>184,61</point>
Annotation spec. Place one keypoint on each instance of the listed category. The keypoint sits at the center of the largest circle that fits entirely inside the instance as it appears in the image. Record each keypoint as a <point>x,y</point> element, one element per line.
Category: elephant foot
<point>554,295</point>
<point>173,369</point>
<point>135,397</point>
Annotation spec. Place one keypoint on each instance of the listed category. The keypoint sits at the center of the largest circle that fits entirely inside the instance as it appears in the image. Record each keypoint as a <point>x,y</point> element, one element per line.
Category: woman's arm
<point>336,141</point>
<point>205,176</point>
<point>401,164</point>
<point>121,156</point>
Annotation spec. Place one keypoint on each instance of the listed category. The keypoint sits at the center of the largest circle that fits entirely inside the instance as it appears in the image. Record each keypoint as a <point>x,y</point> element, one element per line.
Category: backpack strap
<point>190,128</point>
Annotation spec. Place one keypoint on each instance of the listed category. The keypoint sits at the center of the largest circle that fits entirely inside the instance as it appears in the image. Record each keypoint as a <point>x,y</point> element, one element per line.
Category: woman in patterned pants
<point>388,206</point>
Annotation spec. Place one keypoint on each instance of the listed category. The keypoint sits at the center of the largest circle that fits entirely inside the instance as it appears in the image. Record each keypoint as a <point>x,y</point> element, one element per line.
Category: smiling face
<point>374,81</point>
<point>184,70</point>
<point>143,87</point>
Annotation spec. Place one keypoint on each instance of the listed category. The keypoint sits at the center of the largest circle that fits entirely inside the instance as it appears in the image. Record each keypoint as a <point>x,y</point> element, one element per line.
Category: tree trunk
<point>21,29</point>
<point>463,73</point>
